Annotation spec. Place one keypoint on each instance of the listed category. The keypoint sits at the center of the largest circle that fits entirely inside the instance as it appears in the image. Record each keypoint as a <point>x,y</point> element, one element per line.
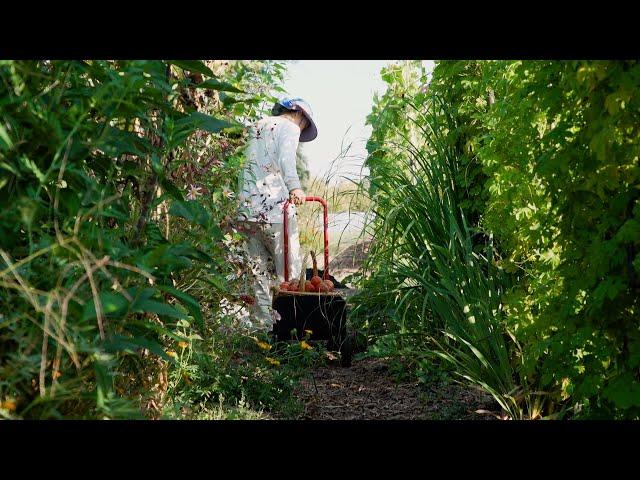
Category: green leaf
<point>629,232</point>
<point>598,145</point>
<point>634,354</point>
<point>10,168</point>
<point>192,66</point>
<point>28,208</point>
<point>188,301</point>
<point>120,343</point>
<point>156,165</point>
<point>113,304</point>
<point>132,168</point>
<point>611,103</point>
<point>204,122</point>
<point>115,211</point>
<point>624,391</point>
<point>171,189</point>
<point>164,256</point>
<point>192,252</point>
<point>33,168</point>
<point>151,306</point>
<point>228,100</point>
<point>191,211</point>
<point>116,142</point>
<point>138,293</point>
<point>6,142</point>
<point>102,367</point>
<point>214,84</point>
<point>217,282</point>
<point>142,328</point>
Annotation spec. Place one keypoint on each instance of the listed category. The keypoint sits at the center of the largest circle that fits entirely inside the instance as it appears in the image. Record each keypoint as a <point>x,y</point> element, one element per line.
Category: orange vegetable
<point>315,278</point>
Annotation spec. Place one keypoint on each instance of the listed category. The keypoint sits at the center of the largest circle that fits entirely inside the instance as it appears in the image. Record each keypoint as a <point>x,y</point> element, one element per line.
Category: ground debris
<point>367,391</point>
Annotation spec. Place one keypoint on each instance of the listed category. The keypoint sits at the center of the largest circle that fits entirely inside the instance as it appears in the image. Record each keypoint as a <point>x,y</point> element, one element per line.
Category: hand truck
<point>323,313</point>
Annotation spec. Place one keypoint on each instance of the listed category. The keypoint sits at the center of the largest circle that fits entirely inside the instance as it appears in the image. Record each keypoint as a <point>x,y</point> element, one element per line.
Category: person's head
<point>297,117</point>
<point>298,111</point>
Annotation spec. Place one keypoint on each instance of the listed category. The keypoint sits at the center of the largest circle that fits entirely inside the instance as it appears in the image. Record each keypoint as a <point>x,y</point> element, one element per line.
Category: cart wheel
<point>346,350</point>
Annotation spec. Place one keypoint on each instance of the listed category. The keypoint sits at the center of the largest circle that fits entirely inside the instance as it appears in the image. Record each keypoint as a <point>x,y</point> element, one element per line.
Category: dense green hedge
<point>542,163</point>
<point>116,182</point>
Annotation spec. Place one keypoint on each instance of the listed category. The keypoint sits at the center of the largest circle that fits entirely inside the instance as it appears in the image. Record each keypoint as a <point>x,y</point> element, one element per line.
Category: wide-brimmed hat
<point>298,104</point>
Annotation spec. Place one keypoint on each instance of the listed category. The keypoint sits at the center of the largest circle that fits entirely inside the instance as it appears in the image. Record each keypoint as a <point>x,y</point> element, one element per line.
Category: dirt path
<point>368,391</point>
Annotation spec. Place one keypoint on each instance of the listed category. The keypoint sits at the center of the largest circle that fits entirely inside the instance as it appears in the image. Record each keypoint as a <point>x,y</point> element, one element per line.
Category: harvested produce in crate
<point>315,285</point>
<point>323,313</point>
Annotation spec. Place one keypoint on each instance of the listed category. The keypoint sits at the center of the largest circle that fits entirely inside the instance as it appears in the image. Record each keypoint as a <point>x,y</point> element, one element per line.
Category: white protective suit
<point>268,177</point>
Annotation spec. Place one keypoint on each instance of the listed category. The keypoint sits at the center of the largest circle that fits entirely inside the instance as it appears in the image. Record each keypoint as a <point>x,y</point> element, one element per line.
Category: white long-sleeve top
<point>270,170</point>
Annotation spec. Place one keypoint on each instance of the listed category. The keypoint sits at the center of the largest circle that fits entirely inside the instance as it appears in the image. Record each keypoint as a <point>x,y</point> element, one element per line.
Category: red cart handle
<point>326,236</point>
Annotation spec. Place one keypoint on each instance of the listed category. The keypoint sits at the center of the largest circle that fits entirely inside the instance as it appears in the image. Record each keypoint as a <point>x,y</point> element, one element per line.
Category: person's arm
<point>287,148</point>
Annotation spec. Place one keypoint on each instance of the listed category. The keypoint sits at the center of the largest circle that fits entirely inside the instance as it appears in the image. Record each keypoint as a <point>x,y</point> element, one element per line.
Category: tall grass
<point>343,186</point>
<point>426,276</point>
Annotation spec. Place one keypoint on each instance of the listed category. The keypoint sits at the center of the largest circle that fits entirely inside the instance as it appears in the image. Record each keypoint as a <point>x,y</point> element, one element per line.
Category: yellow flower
<point>273,361</point>
<point>264,345</point>
<point>9,404</point>
<point>171,353</point>
<point>308,332</point>
<point>183,344</point>
<point>305,346</point>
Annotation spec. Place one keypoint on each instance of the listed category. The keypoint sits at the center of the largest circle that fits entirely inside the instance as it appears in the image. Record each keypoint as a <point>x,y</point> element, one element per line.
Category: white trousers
<point>265,248</point>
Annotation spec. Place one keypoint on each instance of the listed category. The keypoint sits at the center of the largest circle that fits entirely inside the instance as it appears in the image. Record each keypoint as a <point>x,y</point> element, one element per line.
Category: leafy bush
<point>530,171</point>
<point>562,156</point>
<point>115,188</point>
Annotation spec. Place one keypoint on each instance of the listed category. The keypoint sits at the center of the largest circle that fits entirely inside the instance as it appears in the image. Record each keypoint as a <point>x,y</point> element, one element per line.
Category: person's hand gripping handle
<point>297,196</point>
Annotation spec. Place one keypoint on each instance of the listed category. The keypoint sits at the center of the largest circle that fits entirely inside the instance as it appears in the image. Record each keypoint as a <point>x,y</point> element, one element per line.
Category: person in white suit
<point>268,180</point>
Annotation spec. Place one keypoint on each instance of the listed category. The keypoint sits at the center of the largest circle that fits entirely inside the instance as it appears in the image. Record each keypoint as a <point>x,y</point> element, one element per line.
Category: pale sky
<point>340,93</point>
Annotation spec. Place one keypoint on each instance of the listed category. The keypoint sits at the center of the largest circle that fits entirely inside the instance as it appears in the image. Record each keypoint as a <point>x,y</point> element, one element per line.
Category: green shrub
<point>115,189</point>
<point>538,186</point>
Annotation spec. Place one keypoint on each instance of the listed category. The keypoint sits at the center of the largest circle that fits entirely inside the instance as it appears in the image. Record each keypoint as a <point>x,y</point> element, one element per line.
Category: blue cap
<point>298,104</point>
